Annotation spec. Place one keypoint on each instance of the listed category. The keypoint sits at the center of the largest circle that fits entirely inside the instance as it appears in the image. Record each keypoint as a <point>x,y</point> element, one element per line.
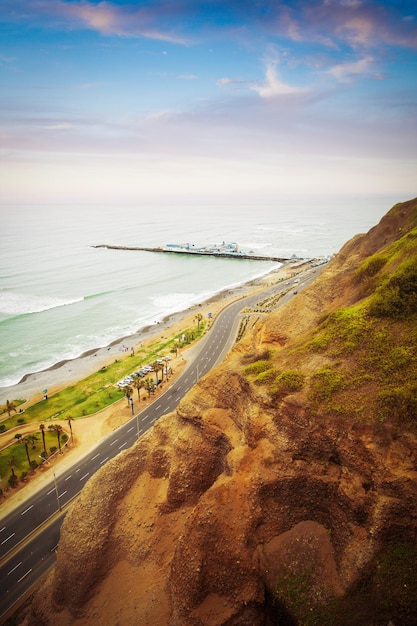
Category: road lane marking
<point>68,477</point>
<point>104,460</point>
<point>50,491</point>
<point>15,567</point>
<point>158,407</point>
<point>77,470</point>
<point>94,457</point>
<point>9,537</point>
<point>26,510</point>
<point>24,576</point>
<point>4,528</point>
<point>113,442</point>
<point>62,494</point>
<point>130,429</point>
<point>85,476</point>
<point>123,444</point>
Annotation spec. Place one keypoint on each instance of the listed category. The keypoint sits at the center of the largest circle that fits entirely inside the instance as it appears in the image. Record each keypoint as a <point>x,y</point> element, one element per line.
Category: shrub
<point>324,383</point>
<point>257,367</point>
<point>397,298</point>
<point>287,382</point>
<point>3,428</point>
<point>399,403</point>
<point>266,377</point>
<point>21,420</point>
<point>371,266</point>
<point>33,464</point>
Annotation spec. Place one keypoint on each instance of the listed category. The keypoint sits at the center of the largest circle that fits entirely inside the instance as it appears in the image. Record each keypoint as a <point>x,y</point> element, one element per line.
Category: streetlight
<point>132,405</point>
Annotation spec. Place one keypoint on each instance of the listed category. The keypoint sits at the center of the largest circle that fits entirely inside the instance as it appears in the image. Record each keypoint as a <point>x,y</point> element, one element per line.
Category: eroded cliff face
<point>243,507</point>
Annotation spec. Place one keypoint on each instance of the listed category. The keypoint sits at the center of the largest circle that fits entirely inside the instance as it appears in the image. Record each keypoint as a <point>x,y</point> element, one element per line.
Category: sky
<point>215,101</point>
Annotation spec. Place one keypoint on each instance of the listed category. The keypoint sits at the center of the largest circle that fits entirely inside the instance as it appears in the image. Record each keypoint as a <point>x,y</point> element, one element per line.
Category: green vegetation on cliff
<point>367,351</point>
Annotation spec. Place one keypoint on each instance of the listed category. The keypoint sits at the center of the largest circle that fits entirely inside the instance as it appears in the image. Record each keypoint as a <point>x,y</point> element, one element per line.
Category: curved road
<point>29,536</point>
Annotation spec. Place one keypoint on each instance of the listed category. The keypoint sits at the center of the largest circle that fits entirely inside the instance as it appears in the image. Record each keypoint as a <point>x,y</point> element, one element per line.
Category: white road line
<point>68,477</point>
<point>24,575</point>
<point>130,429</point>
<point>104,460</point>
<point>113,442</point>
<point>50,491</point>
<point>15,567</point>
<point>4,528</point>
<point>94,457</point>
<point>9,537</point>
<point>77,470</point>
<point>62,494</point>
<point>26,510</point>
<point>123,445</point>
<point>85,476</point>
<point>158,407</point>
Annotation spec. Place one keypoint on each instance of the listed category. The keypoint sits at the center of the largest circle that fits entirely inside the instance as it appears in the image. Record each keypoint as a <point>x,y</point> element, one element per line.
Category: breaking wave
<point>13,304</point>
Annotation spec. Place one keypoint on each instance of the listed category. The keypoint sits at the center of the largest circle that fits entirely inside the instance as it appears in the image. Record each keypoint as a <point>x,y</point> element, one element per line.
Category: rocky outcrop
<point>248,507</point>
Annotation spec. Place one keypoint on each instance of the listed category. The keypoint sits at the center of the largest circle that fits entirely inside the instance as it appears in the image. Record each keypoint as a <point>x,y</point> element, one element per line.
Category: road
<point>29,535</point>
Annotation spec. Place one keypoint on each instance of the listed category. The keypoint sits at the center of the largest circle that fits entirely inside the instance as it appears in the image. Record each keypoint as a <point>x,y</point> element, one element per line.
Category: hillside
<point>284,488</point>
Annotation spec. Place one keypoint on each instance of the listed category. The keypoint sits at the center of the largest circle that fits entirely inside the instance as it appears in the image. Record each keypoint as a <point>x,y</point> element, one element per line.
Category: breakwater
<point>222,255</point>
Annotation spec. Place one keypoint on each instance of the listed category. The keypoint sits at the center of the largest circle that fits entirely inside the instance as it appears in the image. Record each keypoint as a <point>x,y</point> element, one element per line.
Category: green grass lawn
<point>16,454</point>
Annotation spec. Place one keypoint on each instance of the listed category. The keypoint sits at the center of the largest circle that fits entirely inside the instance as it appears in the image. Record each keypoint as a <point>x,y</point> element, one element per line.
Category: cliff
<point>284,488</point>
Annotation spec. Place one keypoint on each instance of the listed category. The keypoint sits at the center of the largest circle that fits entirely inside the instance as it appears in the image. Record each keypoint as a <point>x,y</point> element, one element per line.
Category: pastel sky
<point>176,100</point>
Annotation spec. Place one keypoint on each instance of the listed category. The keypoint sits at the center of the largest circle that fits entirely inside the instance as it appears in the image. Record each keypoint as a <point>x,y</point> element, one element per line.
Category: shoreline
<point>59,375</point>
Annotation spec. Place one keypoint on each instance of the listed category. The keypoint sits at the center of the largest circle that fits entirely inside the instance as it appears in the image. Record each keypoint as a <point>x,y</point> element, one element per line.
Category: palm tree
<point>155,368</point>
<point>10,406</point>
<point>42,427</point>
<point>33,439</point>
<point>138,384</point>
<point>69,420</point>
<point>198,317</point>
<point>12,464</point>
<point>26,442</point>
<point>149,386</point>
<point>128,391</point>
<point>58,429</point>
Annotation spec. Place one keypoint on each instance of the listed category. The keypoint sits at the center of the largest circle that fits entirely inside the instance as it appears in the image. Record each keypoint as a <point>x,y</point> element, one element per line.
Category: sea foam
<point>13,304</point>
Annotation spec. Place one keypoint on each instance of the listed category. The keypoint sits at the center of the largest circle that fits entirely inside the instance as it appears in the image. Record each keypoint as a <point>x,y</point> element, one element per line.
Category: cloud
<point>187,77</point>
<point>106,18</point>
<point>111,19</point>
<point>58,126</point>
<point>273,87</point>
<point>346,71</point>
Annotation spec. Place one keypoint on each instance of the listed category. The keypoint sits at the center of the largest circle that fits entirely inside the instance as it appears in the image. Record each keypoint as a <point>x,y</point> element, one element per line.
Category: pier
<point>191,252</point>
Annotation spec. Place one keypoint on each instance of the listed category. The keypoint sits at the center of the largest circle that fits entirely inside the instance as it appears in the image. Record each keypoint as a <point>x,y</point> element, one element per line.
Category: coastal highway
<point>29,535</point>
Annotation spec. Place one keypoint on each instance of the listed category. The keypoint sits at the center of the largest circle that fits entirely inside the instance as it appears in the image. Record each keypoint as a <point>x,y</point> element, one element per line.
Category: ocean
<point>60,296</point>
